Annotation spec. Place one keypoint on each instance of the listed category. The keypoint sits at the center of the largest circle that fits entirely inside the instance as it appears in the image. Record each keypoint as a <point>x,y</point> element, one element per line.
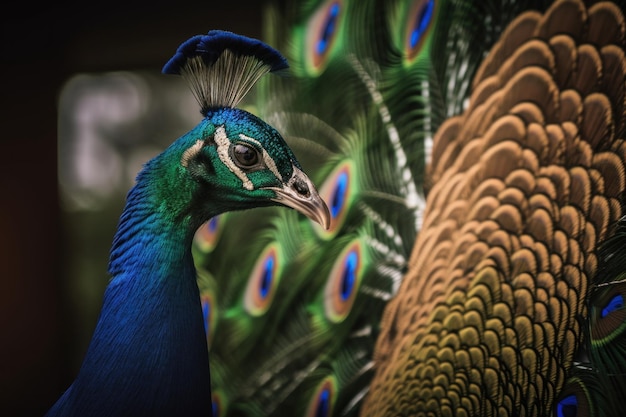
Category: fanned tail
<point>509,279</point>
<point>472,157</point>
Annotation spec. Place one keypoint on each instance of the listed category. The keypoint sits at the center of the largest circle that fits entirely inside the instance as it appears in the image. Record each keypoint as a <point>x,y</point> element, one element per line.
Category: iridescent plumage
<point>148,354</point>
<point>472,157</point>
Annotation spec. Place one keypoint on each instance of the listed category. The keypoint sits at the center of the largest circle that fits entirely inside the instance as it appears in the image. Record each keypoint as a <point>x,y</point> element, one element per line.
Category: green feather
<point>363,108</point>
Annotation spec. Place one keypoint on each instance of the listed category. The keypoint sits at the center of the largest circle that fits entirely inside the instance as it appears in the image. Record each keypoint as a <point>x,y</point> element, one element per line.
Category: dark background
<point>42,47</point>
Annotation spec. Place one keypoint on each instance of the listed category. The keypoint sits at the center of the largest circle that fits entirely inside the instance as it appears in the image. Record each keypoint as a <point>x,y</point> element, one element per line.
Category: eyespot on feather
<point>419,22</point>
<point>263,280</point>
<point>323,398</point>
<point>574,400</point>
<point>567,406</point>
<point>208,234</point>
<point>217,404</point>
<point>343,282</point>
<point>338,190</point>
<point>209,316</point>
<point>321,34</point>
<point>608,314</point>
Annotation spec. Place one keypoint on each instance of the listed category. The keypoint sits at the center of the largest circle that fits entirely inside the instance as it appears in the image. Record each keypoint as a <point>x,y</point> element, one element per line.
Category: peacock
<point>148,355</point>
<point>473,160</point>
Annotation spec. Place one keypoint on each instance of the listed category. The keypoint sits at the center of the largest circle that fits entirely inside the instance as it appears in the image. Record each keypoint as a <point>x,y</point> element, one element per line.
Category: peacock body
<point>472,156</point>
<point>148,355</point>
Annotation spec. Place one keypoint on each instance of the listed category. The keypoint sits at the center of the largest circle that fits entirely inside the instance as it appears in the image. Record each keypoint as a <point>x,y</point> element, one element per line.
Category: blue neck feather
<point>148,355</point>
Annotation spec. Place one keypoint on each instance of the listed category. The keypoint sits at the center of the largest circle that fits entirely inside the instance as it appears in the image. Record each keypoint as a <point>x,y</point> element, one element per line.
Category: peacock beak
<point>299,193</point>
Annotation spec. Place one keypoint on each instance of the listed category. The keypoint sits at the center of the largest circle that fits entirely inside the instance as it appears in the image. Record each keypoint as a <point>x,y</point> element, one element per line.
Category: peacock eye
<point>245,156</point>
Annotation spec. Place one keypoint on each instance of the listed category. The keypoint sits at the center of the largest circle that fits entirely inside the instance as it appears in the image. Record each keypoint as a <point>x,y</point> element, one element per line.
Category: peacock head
<point>235,159</point>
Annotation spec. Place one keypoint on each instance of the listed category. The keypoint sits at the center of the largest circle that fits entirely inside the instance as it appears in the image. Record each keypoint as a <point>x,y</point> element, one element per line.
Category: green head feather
<point>234,159</point>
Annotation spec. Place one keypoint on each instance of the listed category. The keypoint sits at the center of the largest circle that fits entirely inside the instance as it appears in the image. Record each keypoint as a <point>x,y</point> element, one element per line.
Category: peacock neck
<point>154,234</point>
<point>150,245</point>
<point>149,348</point>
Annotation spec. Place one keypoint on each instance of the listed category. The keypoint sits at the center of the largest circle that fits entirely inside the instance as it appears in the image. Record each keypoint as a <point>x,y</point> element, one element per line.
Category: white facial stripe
<point>223,147</point>
<point>269,162</point>
<point>192,151</point>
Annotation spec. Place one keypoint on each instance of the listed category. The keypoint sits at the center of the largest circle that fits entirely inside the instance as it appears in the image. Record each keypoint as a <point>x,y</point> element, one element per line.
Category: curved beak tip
<point>324,216</point>
<point>300,194</point>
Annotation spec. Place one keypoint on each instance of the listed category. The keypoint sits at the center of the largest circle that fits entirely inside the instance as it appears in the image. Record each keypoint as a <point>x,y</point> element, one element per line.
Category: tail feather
<point>472,155</point>
<point>526,185</point>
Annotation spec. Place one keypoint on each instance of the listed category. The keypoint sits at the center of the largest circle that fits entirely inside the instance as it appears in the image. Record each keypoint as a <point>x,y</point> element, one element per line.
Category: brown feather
<point>522,190</point>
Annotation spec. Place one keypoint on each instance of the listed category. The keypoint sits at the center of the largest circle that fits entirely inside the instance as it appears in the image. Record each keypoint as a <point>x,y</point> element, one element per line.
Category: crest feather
<point>221,67</point>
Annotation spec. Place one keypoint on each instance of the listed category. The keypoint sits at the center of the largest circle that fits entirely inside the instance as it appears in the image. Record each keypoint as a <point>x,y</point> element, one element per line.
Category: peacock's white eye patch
<point>245,156</point>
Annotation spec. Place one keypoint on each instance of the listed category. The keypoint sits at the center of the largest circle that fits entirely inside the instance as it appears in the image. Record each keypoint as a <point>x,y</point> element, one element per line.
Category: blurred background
<point>83,106</point>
